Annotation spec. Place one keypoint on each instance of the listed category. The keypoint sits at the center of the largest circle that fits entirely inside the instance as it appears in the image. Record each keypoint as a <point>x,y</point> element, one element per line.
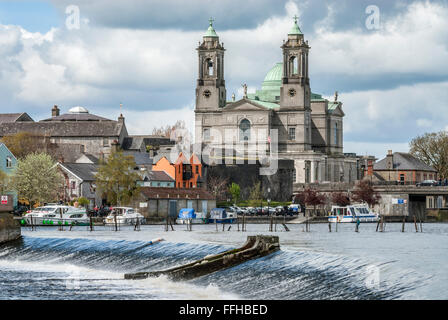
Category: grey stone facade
<point>309,127</point>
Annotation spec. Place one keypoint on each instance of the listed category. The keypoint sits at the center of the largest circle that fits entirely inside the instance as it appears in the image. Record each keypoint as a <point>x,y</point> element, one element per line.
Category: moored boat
<point>352,213</point>
<point>188,215</point>
<point>54,215</point>
<point>124,216</point>
<point>221,215</point>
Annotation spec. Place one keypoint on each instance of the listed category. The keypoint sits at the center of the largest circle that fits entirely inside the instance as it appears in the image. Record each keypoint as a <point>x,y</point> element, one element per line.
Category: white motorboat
<point>124,216</point>
<point>54,214</point>
<point>352,213</point>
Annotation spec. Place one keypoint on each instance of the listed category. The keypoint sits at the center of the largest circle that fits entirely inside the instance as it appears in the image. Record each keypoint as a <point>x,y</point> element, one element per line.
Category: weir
<point>9,228</point>
<point>255,247</point>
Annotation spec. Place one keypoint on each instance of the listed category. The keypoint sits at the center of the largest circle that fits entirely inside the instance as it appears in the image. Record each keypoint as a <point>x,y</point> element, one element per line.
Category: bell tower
<point>295,91</point>
<point>210,89</point>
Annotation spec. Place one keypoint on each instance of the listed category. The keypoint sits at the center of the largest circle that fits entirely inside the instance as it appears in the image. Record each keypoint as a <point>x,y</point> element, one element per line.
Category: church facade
<point>306,127</point>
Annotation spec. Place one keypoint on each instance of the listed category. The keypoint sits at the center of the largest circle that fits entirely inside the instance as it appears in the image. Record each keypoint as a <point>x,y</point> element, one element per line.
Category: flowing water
<point>79,264</point>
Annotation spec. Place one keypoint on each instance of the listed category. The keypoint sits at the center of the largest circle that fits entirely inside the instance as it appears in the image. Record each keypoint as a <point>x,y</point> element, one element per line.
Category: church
<point>308,128</point>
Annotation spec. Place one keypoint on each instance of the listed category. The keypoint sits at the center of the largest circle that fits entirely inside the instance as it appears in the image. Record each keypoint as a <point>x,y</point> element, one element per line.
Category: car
<point>279,211</point>
<point>426,183</point>
<point>19,210</point>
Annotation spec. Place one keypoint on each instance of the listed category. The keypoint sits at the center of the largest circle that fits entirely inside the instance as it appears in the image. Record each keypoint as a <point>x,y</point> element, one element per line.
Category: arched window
<point>293,65</point>
<point>209,64</point>
<point>244,130</point>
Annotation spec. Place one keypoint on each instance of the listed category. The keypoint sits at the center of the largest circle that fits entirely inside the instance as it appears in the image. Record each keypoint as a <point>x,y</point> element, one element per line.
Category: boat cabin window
<point>76,216</point>
<point>352,211</point>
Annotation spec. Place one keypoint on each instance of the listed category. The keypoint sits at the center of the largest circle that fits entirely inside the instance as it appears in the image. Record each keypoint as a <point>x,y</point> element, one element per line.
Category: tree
<point>432,148</point>
<point>117,179</point>
<point>364,192</point>
<point>235,191</point>
<point>255,195</point>
<point>84,202</point>
<point>217,185</point>
<point>4,181</point>
<point>313,198</point>
<point>165,131</point>
<point>36,178</point>
<point>340,198</point>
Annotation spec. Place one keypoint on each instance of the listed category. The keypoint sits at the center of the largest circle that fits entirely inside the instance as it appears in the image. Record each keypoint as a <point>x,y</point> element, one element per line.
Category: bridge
<point>415,200</point>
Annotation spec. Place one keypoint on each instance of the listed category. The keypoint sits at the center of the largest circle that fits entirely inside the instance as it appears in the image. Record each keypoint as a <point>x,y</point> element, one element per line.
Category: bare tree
<point>432,148</point>
<point>217,186</point>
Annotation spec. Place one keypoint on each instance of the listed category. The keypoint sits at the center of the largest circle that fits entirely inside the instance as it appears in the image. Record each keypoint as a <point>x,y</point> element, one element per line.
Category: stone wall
<point>9,228</point>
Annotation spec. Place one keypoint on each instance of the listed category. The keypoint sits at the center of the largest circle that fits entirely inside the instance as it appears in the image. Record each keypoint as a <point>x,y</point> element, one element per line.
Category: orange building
<point>187,173</point>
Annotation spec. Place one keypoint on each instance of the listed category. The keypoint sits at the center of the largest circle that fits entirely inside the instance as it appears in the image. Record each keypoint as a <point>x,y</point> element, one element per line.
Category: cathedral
<point>307,128</point>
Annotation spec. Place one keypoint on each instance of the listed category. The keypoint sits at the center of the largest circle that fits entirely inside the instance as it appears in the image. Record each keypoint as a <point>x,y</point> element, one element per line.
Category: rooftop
<point>403,161</point>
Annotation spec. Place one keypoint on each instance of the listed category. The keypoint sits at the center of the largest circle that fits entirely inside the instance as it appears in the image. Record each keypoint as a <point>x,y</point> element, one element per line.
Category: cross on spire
<point>295,18</point>
<point>211,21</point>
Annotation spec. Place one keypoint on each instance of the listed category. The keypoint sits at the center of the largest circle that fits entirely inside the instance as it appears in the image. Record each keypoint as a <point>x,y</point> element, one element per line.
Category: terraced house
<point>8,163</point>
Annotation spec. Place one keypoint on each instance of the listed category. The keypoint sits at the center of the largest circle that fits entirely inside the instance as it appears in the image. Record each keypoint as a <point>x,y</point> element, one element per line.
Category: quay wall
<point>9,228</point>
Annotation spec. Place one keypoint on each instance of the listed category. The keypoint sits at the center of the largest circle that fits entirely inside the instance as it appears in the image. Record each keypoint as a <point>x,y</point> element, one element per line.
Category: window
<point>244,130</point>
<point>8,162</point>
<point>209,67</point>
<point>293,65</point>
<point>206,134</point>
<point>105,142</point>
<point>294,175</point>
<point>292,133</point>
<point>335,133</point>
<point>73,184</point>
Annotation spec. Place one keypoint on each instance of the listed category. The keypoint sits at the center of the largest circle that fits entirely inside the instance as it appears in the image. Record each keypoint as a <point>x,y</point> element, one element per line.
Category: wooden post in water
<point>244,223</point>
<point>421,227</point>
<point>286,228</point>
<point>238,222</point>
<point>171,224</point>
<point>402,225</point>
<point>115,221</point>
<point>137,225</point>
<point>329,226</point>
<point>216,224</point>
<point>378,224</point>
<point>229,228</point>
<point>415,223</point>
<point>223,226</point>
<point>91,224</point>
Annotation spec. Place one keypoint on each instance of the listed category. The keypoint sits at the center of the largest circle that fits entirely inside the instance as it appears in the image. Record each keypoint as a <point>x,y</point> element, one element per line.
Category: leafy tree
<point>364,192</point>
<point>235,191</point>
<point>340,198</point>
<point>84,202</point>
<point>432,148</point>
<point>117,179</point>
<point>255,195</point>
<point>36,178</point>
<point>4,181</point>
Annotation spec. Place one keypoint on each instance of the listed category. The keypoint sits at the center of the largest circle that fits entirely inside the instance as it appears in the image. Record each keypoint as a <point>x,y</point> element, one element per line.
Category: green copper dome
<point>210,31</point>
<point>295,28</point>
<point>270,88</point>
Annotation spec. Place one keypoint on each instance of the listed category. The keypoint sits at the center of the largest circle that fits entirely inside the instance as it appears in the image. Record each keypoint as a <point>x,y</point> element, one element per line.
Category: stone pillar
<point>313,172</point>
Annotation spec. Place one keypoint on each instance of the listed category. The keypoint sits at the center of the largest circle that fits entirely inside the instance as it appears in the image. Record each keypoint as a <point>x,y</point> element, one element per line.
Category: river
<point>80,264</point>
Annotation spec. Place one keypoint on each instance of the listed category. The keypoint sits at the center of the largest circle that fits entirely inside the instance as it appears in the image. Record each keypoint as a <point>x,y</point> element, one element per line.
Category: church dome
<point>78,109</point>
<point>275,74</point>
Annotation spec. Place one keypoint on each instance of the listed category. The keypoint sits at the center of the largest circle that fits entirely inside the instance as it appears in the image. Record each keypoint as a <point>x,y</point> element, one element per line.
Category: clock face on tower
<point>292,92</point>
<point>207,93</point>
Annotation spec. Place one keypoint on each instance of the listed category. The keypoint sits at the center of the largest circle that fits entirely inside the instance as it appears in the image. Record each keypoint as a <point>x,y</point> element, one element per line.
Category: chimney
<point>121,118</point>
<point>370,167</point>
<point>55,111</point>
<point>390,160</point>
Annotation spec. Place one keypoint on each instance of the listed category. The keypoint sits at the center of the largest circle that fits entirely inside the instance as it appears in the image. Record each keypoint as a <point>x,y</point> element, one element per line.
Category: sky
<point>389,65</point>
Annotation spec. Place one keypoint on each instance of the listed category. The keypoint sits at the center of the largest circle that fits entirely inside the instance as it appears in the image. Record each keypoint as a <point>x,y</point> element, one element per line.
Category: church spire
<point>211,31</point>
<point>295,28</point>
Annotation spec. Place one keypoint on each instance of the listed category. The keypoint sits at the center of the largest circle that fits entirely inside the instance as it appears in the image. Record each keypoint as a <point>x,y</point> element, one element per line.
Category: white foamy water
<point>79,264</point>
